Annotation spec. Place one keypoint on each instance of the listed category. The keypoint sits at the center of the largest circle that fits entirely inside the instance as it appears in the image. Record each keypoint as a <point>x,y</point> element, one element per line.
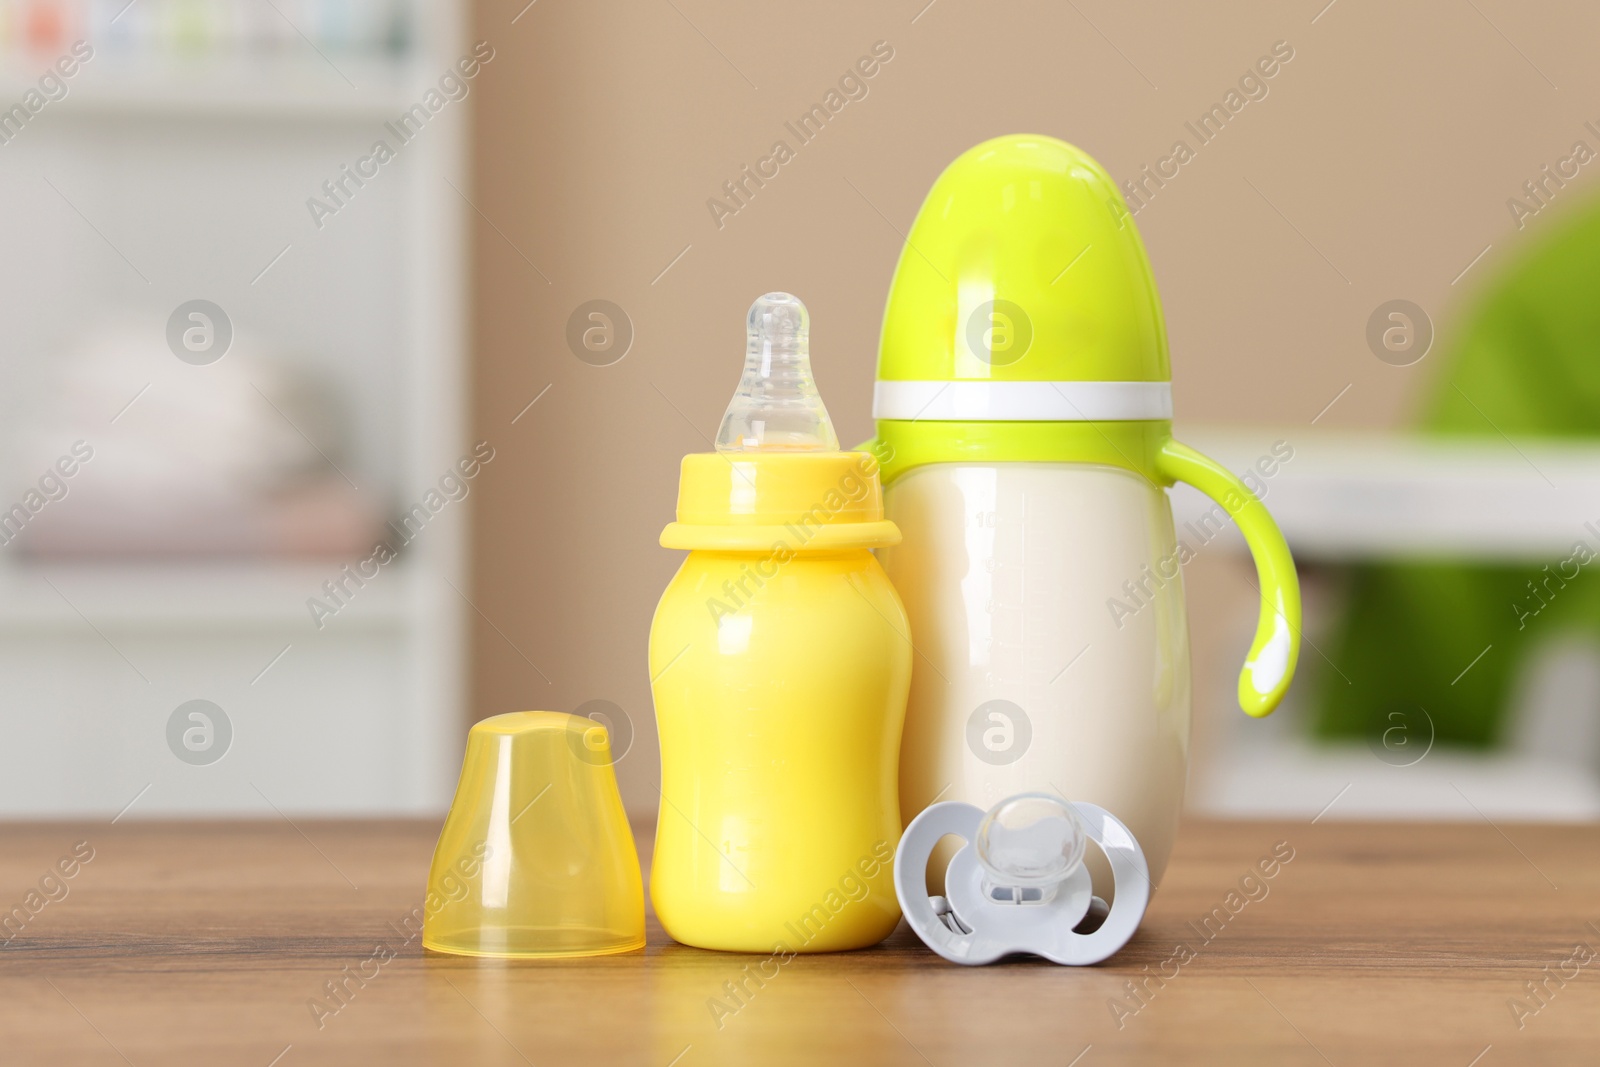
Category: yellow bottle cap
<point>536,858</point>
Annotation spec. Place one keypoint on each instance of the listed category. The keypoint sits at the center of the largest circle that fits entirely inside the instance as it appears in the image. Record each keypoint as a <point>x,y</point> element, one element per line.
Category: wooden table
<point>206,943</point>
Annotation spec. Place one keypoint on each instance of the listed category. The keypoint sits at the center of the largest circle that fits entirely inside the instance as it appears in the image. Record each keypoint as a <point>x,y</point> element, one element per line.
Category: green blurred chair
<point>1527,364</point>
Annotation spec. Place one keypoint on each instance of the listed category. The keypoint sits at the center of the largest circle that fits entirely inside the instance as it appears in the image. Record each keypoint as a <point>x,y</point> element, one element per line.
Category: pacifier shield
<point>1019,884</point>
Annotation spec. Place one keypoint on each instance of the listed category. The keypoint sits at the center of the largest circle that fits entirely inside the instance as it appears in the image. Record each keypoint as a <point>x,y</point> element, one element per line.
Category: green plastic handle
<point>1276,648</point>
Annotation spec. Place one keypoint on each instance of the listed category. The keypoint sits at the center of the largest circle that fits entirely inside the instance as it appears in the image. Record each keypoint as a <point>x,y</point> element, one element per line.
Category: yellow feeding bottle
<point>780,659</point>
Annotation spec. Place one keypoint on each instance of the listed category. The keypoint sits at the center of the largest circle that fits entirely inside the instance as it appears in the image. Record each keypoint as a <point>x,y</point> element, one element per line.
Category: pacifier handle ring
<point>911,872</point>
<point>1130,879</point>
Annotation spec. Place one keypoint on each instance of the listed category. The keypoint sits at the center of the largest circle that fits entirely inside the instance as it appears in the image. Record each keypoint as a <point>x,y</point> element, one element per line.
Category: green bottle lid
<point>1023,321</point>
<point>1024,265</point>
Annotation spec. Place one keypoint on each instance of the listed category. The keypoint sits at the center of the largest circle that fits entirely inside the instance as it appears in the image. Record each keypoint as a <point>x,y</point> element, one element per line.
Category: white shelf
<point>212,596</point>
<point>1348,495</point>
<point>233,87</point>
<point>1279,779</point>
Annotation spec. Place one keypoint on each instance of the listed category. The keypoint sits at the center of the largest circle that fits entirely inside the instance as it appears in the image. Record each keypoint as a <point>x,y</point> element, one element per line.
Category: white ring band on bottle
<point>981,401</point>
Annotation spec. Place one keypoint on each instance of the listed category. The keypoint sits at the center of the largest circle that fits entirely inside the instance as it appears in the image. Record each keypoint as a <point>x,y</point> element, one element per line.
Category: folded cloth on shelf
<point>241,458</point>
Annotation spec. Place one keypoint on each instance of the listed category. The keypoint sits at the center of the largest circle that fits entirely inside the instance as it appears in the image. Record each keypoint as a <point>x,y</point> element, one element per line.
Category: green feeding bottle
<point>1024,406</point>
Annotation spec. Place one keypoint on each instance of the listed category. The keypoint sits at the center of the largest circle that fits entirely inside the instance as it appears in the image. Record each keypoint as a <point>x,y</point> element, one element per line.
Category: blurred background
<point>316,465</point>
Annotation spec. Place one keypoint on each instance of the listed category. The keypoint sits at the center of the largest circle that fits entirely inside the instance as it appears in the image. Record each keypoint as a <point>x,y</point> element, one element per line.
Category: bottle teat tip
<point>778,315</point>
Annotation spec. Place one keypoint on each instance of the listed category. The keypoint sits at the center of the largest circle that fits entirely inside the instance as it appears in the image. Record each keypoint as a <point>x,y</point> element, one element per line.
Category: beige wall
<point>1390,142</point>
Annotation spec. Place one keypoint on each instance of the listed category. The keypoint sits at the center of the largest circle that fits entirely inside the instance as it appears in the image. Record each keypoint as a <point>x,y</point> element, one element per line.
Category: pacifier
<point>1019,884</point>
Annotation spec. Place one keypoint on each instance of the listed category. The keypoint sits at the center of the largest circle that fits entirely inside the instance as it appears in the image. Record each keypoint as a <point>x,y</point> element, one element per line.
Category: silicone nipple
<point>1031,840</point>
<point>777,407</point>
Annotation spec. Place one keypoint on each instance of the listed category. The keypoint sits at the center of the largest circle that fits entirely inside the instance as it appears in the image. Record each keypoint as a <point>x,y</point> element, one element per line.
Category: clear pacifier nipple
<point>777,407</point>
<point>1028,844</point>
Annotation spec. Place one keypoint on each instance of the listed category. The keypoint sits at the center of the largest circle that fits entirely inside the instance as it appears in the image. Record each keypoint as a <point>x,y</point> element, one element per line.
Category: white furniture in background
<point>1347,497</point>
<point>155,183</point>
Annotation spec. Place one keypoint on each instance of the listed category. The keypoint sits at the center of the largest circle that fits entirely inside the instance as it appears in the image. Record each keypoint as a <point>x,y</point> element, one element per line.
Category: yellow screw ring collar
<point>753,501</point>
